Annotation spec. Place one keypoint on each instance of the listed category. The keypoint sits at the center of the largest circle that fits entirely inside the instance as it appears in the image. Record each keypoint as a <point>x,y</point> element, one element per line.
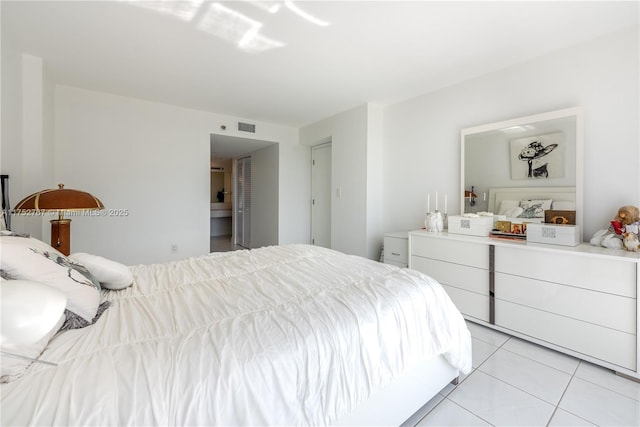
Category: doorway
<point>262,218</point>
<point>321,195</point>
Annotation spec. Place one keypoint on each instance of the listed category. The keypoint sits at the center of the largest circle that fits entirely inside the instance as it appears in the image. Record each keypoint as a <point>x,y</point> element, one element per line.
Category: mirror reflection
<point>534,157</point>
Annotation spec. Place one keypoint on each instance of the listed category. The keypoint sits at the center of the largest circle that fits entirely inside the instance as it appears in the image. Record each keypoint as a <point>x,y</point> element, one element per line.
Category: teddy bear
<point>627,220</point>
<point>630,241</point>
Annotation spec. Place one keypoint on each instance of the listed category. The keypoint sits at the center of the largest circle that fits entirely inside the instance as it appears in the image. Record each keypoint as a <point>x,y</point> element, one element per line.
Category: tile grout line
<point>462,407</point>
<point>545,364</point>
<point>446,397</point>
<point>607,388</point>
<point>573,375</point>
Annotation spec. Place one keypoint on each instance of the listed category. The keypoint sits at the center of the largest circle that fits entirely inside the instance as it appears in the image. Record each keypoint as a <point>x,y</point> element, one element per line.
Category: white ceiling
<point>278,61</point>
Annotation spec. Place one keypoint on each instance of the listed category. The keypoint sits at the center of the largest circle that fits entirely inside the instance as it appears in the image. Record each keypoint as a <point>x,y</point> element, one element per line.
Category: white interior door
<point>321,195</point>
<point>243,202</point>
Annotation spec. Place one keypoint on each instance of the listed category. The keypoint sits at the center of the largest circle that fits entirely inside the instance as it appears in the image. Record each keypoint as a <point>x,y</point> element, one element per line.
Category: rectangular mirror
<point>535,157</point>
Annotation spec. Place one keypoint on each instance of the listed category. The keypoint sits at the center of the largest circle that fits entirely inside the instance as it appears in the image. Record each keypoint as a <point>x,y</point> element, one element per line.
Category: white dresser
<point>579,300</point>
<point>396,249</point>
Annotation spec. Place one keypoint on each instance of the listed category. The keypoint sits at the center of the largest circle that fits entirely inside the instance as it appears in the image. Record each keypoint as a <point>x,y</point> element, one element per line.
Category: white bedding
<point>286,335</point>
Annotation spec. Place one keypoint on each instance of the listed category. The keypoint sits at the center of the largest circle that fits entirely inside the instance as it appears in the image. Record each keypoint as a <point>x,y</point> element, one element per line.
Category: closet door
<point>243,202</point>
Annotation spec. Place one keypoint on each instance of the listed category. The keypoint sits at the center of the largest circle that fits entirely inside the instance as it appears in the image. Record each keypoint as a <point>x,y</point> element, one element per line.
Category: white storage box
<point>480,226</point>
<point>565,235</point>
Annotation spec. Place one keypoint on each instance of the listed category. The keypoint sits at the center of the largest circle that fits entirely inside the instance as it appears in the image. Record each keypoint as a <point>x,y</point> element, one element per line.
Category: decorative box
<point>479,226</point>
<point>565,235</point>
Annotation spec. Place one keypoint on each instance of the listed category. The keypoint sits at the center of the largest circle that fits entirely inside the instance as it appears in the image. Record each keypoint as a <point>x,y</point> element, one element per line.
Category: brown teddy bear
<point>627,218</point>
<point>626,221</point>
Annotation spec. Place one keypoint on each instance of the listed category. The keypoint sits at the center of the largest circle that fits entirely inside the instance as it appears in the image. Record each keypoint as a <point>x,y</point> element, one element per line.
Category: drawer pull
<point>394,253</point>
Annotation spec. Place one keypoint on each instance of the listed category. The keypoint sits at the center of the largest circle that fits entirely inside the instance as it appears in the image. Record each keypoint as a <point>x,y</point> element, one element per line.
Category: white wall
<point>264,196</point>
<point>375,180</point>
<point>356,155</point>
<point>152,160</point>
<point>422,135</point>
<point>294,182</point>
<point>11,132</point>
<point>27,124</point>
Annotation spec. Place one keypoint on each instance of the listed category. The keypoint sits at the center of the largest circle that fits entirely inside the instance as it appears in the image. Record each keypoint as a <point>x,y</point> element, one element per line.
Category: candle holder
<point>434,222</point>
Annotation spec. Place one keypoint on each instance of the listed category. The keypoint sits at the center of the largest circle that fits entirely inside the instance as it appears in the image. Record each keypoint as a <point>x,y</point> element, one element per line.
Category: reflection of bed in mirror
<point>501,199</point>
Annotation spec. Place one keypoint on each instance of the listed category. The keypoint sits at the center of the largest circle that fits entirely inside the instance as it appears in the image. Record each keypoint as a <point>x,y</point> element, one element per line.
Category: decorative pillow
<point>110,274</point>
<point>534,208</point>
<point>31,259</point>
<point>73,321</point>
<point>505,205</point>
<point>12,366</point>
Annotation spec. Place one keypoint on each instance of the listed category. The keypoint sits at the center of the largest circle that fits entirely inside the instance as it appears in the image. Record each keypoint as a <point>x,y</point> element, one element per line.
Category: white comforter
<point>288,335</point>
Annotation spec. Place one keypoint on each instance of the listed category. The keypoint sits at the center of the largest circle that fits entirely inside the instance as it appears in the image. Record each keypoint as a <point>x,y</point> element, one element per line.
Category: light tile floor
<point>222,244</point>
<point>517,383</point>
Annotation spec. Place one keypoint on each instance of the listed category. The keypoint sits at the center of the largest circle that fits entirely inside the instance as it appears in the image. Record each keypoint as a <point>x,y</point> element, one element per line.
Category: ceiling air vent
<point>246,127</point>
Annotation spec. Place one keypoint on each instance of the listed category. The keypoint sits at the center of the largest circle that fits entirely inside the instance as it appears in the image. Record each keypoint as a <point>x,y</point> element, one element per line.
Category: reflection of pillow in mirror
<point>513,212</point>
<point>505,205</point>
<point>534,208</point>
<point>564,205</point>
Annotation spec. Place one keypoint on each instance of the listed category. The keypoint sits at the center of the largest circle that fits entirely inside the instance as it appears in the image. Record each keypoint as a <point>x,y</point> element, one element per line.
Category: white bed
<point>286,335</point>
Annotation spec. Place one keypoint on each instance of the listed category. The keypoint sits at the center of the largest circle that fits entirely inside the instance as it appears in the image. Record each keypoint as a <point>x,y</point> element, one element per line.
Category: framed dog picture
<point>560,217</point>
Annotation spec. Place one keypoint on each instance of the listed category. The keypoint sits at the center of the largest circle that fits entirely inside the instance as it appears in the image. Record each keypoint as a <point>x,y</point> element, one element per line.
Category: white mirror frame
<point>521,121</point>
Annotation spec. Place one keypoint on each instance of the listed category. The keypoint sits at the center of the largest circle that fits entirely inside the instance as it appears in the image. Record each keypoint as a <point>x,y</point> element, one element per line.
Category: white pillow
<point>26,258</point>
<point>513,212</point>
<point>564,205</point>
<point>12,367</point>
<point>534,208</point>
<point>110,274</point>
<point>505,205</point>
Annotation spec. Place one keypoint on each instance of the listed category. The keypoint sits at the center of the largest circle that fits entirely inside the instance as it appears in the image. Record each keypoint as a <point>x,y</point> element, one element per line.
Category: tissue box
<point>480,226</point>
<point>565,235</point>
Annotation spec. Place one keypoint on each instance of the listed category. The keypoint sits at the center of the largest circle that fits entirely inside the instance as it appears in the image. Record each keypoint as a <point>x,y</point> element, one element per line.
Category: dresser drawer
<point>465,253</point>
<point>589,339</point>
<point>460,276</point>
<point>396,249</point>
<point>601,274</point>
<point>611,311</point>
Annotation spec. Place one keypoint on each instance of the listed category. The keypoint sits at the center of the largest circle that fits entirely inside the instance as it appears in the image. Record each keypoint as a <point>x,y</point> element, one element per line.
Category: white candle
<point>445,203</point>
<point>428,202</point>
<point>436,200</point>
<point>484,197</point>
